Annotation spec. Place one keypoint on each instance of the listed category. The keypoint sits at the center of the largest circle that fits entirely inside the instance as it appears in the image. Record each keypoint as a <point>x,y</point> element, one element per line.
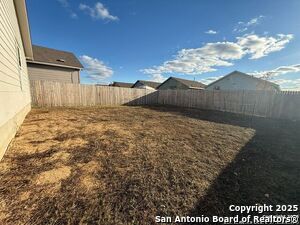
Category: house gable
<point>173,84</point>
<point>121,84</point>
<point>178,83</point>
<point>144,83</point>
<point>241,81</point>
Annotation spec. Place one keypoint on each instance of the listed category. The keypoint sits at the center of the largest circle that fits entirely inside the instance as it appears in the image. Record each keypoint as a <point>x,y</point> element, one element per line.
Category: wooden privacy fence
<point>55,94</point>
<point>259,103</point>
<point>271,104</point>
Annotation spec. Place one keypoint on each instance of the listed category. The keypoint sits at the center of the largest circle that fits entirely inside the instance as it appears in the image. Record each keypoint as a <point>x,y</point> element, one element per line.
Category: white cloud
<point>288,84</point>
<point>95,68</point>
<point>285,84</point>
<point>211,55</point>
<point>199,60</point>
<point>73,15</point>
<point>65,4</point>
<point>259,47</point>
<point>211,32</point>
<point>277,71</point>
<point>244,26</point>
<point>158,78</point>
<point>98,11</point>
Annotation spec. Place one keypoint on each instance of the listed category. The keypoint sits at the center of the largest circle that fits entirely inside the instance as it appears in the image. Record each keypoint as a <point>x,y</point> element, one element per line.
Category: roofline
<point>134,84</point>
<point>221,78</point>
<point>190,87</point>
<point>146,85</point>
<point>63,51</point>
<point>137,82</point>
<point>170,79</point>
<point>114,82</point>
<point>52,64</point>
<point>197,88</point>
<point>262,80</point>
<point>55,49</point>
<point>122,82</point>
<point>22,17</point>
<point>163,82</point>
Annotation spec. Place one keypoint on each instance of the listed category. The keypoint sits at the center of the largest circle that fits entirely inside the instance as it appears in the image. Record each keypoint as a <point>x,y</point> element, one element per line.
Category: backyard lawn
<point>126,165</point>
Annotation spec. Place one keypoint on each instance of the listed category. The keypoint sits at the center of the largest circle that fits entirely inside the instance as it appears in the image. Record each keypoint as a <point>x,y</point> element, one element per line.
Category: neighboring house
<point>54,65</point>
<point>102,85</point>
<point>241,81</point>
<point>178,83</point>
<point>15,47</point>
<point>144,84</point>
<point>121,84</point>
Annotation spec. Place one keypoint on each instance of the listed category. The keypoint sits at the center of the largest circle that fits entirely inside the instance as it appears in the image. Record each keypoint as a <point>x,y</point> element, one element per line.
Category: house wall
<point>53,73</point>
<point>238,82</point>
<point>14,84</point>
<point>173,84</point>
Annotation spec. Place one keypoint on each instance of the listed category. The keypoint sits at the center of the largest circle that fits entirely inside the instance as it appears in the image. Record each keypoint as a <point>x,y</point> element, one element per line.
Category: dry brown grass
<point>125,165</point>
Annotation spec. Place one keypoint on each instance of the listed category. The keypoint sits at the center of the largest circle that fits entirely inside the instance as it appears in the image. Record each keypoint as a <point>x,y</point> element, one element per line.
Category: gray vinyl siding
<point>14,83</point>
<point>53,73</point>
<point>12,77</point>
<point>76,76</point>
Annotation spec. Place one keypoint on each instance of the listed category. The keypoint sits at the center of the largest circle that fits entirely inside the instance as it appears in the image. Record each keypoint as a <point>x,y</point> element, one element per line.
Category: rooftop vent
<point>60,60</point>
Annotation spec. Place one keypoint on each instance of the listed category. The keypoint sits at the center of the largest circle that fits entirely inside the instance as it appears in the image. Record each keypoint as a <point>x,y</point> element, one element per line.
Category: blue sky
<point>126,40</point>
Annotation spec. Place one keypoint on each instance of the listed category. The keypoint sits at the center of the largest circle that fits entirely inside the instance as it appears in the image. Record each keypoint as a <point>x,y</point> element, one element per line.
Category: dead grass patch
<point>89,183</point>
<point>24,196</point>
<point>125,165</point>
<point>63,156</point>
<point>53,176</point>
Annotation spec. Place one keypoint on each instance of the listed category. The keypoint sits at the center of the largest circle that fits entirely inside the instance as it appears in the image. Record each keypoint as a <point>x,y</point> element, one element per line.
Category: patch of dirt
<point>3,212</point>
<point>89,183</point>
<point>73,143</point>
<point>3,216</point>
<point>62,155</point>
<point>125,165</point>
<point>24,196</point>
<point>53,176</point>
<point>4,166</point>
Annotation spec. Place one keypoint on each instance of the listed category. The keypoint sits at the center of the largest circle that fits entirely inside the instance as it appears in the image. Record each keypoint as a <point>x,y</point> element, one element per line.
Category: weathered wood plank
<point>259,103</point>
<point>54,94</point>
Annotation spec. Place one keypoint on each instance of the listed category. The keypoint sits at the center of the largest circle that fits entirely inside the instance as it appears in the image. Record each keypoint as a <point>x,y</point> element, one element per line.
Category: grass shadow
<point>154,161</point>
<point>265,171</point>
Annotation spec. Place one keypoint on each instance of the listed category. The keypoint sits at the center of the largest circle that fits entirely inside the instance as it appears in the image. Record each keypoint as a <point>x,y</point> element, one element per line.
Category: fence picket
<point>260,103</point>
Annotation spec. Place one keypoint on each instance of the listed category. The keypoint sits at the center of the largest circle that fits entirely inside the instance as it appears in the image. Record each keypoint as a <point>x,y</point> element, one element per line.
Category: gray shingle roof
<point>121,84</point>
<point>53,56</point>
<point>190,83</point>
<point>147,83</point>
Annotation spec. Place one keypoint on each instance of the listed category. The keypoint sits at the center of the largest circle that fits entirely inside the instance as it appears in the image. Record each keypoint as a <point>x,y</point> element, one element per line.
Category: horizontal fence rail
<point>56,94</point>
<point>285,105</point>
<point>272,104</point>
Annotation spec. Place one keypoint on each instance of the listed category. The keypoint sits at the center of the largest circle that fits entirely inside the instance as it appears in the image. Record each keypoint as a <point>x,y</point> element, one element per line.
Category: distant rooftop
<point>148,83</point>
<point>53,56</point>
<point>247,75</point>
<point>121,84</point>
<point>190,83</point>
